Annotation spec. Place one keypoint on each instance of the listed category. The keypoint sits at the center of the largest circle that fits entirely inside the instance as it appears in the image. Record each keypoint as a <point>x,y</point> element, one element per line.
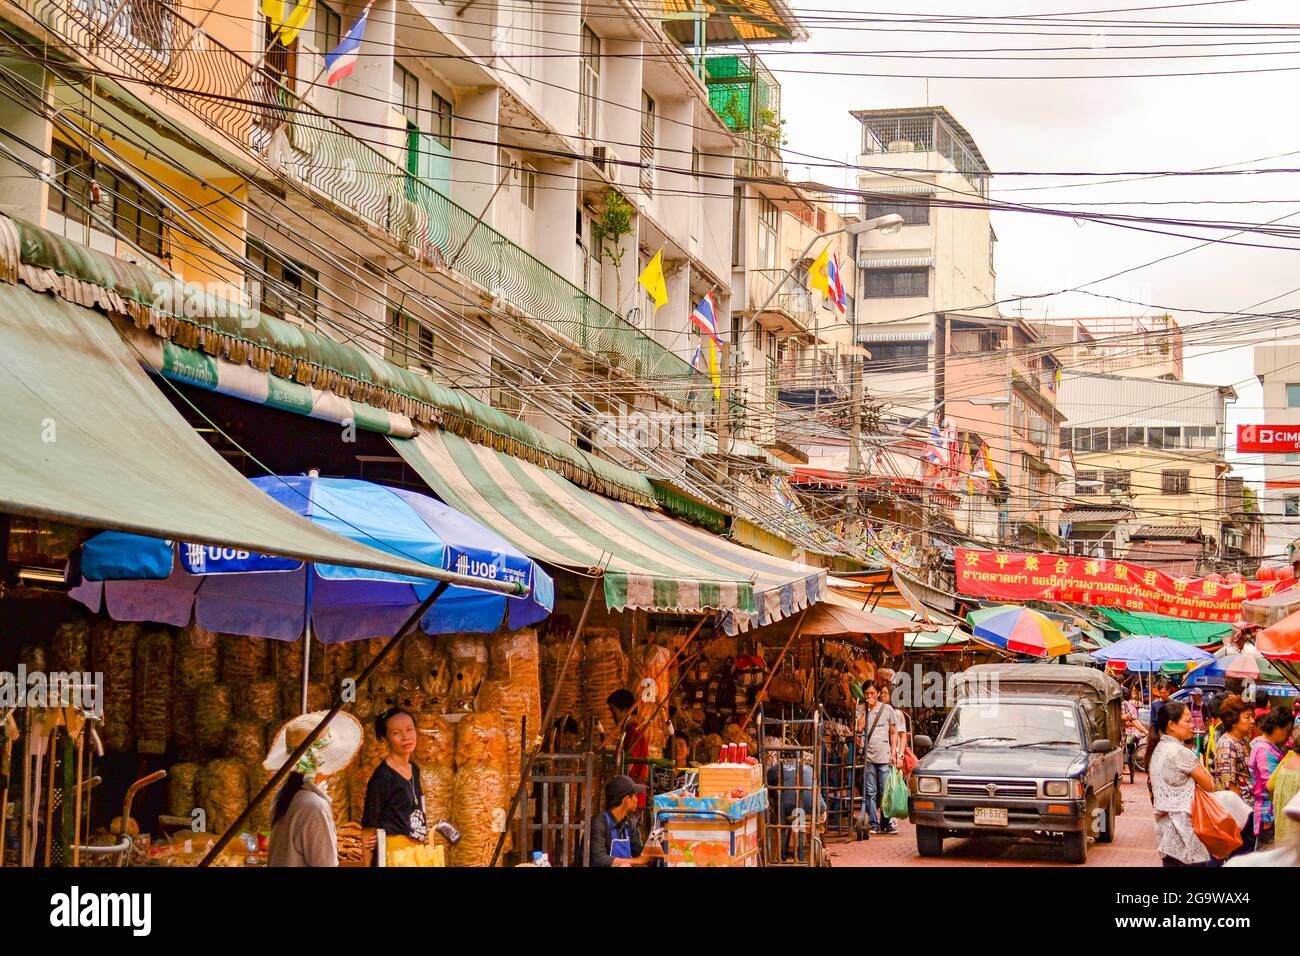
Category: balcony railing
<point>247,103</point>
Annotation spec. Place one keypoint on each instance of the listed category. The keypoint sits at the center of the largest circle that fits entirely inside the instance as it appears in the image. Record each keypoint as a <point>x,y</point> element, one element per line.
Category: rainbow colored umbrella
<point>1248,666</point>
<point>1146,654</point>
<point>1020,630</point>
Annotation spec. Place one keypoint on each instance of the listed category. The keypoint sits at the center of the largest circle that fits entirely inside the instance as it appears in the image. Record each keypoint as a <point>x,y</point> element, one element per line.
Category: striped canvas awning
<point>651,562</point>
<point>903,189</point>
<point>895,262</point>
<point>868,335</point>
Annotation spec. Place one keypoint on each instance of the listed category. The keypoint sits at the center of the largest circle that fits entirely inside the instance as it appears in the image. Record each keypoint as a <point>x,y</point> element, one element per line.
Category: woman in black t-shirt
<point>394,798</point>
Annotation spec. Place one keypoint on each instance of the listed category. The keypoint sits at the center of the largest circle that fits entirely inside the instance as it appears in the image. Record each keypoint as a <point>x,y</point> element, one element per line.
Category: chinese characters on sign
<point>1025,577</point>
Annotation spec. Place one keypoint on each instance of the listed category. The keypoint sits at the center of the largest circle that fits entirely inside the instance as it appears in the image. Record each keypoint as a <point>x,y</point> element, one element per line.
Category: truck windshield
<point>1005,723</point>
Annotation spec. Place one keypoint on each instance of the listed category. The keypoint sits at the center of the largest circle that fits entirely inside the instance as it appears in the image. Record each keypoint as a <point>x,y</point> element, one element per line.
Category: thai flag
<point>705,319</point>
<point>341,62</point>
<point>835,284</point>
<point>936,451</point>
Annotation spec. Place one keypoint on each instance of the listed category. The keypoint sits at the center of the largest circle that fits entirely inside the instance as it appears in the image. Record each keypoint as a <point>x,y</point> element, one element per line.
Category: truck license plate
<point>991,816</point>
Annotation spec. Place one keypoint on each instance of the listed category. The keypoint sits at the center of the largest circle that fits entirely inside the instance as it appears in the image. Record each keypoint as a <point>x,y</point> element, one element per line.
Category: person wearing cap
<point>302,821</point>
<point>615,839</point>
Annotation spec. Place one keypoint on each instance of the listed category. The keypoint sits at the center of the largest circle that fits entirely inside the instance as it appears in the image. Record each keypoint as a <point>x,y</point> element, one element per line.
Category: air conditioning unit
<point>606,160</point>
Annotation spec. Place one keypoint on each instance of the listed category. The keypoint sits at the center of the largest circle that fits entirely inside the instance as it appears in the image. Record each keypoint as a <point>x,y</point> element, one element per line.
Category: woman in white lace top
<point>1174,773</point>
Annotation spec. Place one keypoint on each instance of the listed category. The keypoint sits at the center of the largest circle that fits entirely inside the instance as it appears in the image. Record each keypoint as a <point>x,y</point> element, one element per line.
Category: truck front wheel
<point>1076,846</point>
<point>929,841</point>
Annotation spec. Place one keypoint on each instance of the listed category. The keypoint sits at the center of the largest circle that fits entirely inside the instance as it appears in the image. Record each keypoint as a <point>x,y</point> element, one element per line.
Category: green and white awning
<point>195,367</point>
<point>649,561</point>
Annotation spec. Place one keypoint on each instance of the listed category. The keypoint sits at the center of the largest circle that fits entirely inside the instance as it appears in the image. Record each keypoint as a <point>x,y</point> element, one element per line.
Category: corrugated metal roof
<point>895,262</point>
<point>1172,557</point>
<point>1095,515</point>
<point>1137,401</point>
<point>1168,532</point>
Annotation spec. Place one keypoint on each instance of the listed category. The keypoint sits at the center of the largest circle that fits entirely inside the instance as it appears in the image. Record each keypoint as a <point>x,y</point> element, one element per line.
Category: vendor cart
<point>711,831</point>
<point>790,752</point>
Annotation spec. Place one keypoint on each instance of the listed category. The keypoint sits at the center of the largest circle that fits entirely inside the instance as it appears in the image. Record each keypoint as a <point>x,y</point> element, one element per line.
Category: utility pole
<point>1006,501</point>
<point>855,387</point>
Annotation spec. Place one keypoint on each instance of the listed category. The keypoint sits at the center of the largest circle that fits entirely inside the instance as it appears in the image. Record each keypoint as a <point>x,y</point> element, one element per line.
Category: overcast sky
<point>1035,124</point>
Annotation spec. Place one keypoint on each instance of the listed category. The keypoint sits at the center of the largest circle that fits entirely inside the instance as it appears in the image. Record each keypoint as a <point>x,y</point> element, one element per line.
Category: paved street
<point>1134,845</point>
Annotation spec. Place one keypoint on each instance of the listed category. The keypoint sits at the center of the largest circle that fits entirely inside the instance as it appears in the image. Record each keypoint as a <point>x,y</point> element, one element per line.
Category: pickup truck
<point>1027,750</point>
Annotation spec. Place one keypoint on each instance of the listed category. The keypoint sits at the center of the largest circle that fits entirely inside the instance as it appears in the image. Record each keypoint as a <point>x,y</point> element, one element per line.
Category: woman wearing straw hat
<point>302,823</point>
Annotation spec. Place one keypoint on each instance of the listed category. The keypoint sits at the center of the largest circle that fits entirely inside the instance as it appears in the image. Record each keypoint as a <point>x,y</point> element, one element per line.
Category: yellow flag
<point>817,280</point>
<point>713,371</point>
<point>653,280</point>
<point>287,17</point>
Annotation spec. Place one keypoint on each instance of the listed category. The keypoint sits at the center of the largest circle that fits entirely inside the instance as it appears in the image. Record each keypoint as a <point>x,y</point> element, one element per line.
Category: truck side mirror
<point>923,744</point>
<point>1101,746</point>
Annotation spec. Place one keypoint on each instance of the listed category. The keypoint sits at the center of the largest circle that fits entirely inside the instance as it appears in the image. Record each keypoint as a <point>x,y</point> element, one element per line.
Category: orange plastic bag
<point>1214,825</point>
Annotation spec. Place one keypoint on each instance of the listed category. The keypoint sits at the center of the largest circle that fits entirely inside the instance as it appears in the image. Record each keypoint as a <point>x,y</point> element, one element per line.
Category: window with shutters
<point>1175,481</point>
<point>648,121</point>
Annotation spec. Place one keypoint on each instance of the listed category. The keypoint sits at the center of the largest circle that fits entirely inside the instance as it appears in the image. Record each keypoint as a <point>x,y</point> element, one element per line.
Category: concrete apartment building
<point>939,349</point>
<point>454,173</point>
<point>1137,346</point>
<point>1278,369</point>
<point>1149,460</point>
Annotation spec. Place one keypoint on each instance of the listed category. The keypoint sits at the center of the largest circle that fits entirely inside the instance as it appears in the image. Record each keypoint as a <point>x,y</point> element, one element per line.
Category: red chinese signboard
<point>1266,439</point>
<point>1097,581</point>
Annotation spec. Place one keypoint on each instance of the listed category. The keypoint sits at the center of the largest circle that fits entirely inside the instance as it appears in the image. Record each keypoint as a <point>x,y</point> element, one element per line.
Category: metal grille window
<point>122,210</point>
<point>648,120</point>
<point>914,213</point>
<point>588,82</point>
<point>895,283</point>
<point>1086,483</point>
<point>410,343</point>
<point>1118,480</point>
<point>899,356</point>
<point>284,286</point>
<point>1175,482</point>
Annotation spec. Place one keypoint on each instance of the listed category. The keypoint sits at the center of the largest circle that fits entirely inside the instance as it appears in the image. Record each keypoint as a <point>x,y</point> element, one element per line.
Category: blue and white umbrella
<point>138,578</point>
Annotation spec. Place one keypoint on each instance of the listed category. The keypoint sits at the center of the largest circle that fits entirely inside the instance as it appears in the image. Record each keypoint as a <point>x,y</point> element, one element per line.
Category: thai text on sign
<point>1082,580</point>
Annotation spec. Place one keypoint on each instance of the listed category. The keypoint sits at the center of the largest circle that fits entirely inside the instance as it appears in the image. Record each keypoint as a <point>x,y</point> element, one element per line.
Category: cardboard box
<point>703,842</point>
<point>719,779</point>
